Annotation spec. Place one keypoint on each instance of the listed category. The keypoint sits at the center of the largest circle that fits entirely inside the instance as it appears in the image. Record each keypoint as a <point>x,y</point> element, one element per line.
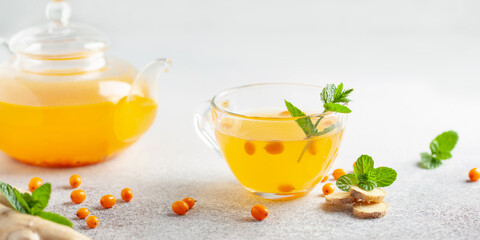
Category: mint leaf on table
<point>367,185</point>
<point>33,204</point>
<point>385,176</point>
<point>366,176</point>
<point>9,193</point>
<point>346,181</point>
<point>40,198</point>
<point>440,149</point>
<point>363,164</point>
<point>55,218</point>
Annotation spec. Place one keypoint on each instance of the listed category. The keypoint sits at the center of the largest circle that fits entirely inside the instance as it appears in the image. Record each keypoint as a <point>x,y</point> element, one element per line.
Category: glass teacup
<point>264,146</point>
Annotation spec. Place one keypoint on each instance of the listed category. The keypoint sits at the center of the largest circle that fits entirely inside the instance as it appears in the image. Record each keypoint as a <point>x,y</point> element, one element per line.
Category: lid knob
<point>58,12</point>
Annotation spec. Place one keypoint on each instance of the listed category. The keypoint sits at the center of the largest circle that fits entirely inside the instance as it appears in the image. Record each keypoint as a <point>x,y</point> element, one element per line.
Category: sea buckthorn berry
<point>325,178</point>
<point>312,149</point>
<point>34,183</point>
<point>108,201</point>
<point>259,212</point>
<point>284,114</point>
<point>127,194</point>
<point>338,173</point>
<point>78,196</point>
<point>286,188</point>
<point>180,207</point>
<point>354,165</point>
<point>274,147</point>
<point>190,202</point>
<point>328,188</point>
<point>75,181</point>
<point>82,213</point>
<point>249,148</point>
<point>92,221</point>
<point>474,174</point>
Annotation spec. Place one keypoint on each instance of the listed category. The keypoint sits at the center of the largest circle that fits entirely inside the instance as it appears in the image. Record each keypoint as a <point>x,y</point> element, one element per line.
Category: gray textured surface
<point>415,73</point>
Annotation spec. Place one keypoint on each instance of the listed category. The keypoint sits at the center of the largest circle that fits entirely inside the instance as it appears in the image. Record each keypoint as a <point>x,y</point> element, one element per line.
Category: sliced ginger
<point>339,198</point>
<point>376,195</point>
<point>370,210</point>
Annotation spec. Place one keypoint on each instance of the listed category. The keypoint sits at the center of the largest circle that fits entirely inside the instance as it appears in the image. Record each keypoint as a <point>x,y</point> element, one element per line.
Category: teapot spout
<point>146,82</point>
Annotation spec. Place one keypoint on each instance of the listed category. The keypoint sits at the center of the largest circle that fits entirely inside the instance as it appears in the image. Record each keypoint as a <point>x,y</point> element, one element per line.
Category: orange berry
<point>354,165</point>
<point>190,202</point>
<point>75,181</point>
<point>325,178</point>
<point>249,148</point>
<point>274,147</point>
<point>78,196</point>
<point>108,201</point>
<point>338,173</point>
<point>180,207</point>
<point>127,194</point>
<point>259,212</point>
<point>34,183</point>
<point>82,213</point>
<point>474,174</point>
<point>284,114</point>
<point>328,188</point>
<point>286,188</point>
<point>92,221</point>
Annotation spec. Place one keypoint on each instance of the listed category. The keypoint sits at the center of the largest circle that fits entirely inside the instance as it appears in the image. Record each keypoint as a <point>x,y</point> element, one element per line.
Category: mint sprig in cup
<point>334,99</point>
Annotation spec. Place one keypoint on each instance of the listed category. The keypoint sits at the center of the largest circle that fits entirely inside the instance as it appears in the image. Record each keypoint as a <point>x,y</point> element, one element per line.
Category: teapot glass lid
<point>58,38</point>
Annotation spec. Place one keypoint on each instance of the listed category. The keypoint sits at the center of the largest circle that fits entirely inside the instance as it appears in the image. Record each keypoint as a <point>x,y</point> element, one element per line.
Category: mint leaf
<point>23,202</point>
<point>305,122</point>
<point>384,176</point>
<point>55,218</point>
<point>40,198</point>
<point>9,193</point>
<point>27,197</point>
<point>335,107</point>
<point>363,164</point>
<point>340,95</point>
<point>429,162</point>
<point>327,129</point>
<point>346,181</point>
<point>444,142</point>
<point>328,93</point>
<point>367,186</point>
<point>372,175</point>
<point>442,155</point>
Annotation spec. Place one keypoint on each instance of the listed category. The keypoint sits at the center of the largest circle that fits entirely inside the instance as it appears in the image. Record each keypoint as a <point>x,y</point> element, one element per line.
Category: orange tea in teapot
<point>65,102</point>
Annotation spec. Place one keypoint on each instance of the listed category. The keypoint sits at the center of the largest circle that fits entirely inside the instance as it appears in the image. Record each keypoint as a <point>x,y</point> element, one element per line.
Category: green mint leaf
<point>56,218</point>
<point>305,122</point>
<point>367,186</point>
<point>328,93</point>
<point>442,155</point>
<point>338,92</point>
<point>9,193</point>
<point>27,197</point>
<point>444,142</point>
<point>346,181</point>
<point>371,175</point>
<point>362,177</point>
<point>428,162</point>
<point>384,176</point>
<point>23,202</point>
<point>363,164</point>
<point>335,107</point>
<point>40,198</point>
<point>327,129</point>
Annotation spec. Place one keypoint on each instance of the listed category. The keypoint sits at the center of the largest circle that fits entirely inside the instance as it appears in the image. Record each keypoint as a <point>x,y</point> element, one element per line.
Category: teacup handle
<point>203,125</point>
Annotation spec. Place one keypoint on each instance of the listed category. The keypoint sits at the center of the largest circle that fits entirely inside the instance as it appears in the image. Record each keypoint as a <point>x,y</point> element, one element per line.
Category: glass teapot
<point>64,102</point>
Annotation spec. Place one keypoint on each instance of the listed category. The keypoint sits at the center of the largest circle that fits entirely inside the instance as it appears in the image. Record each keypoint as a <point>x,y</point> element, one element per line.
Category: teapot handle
<point>5,52</point>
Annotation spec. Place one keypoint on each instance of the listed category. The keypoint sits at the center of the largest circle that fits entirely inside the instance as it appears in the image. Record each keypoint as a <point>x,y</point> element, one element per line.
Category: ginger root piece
<point>15,225</point>
<point>370,210</point>
<point>339,198</point>
<point>376,195</point>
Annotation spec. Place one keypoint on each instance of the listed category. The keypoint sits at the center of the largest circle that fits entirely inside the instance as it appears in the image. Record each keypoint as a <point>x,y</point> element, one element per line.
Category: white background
<point>415,67</point>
